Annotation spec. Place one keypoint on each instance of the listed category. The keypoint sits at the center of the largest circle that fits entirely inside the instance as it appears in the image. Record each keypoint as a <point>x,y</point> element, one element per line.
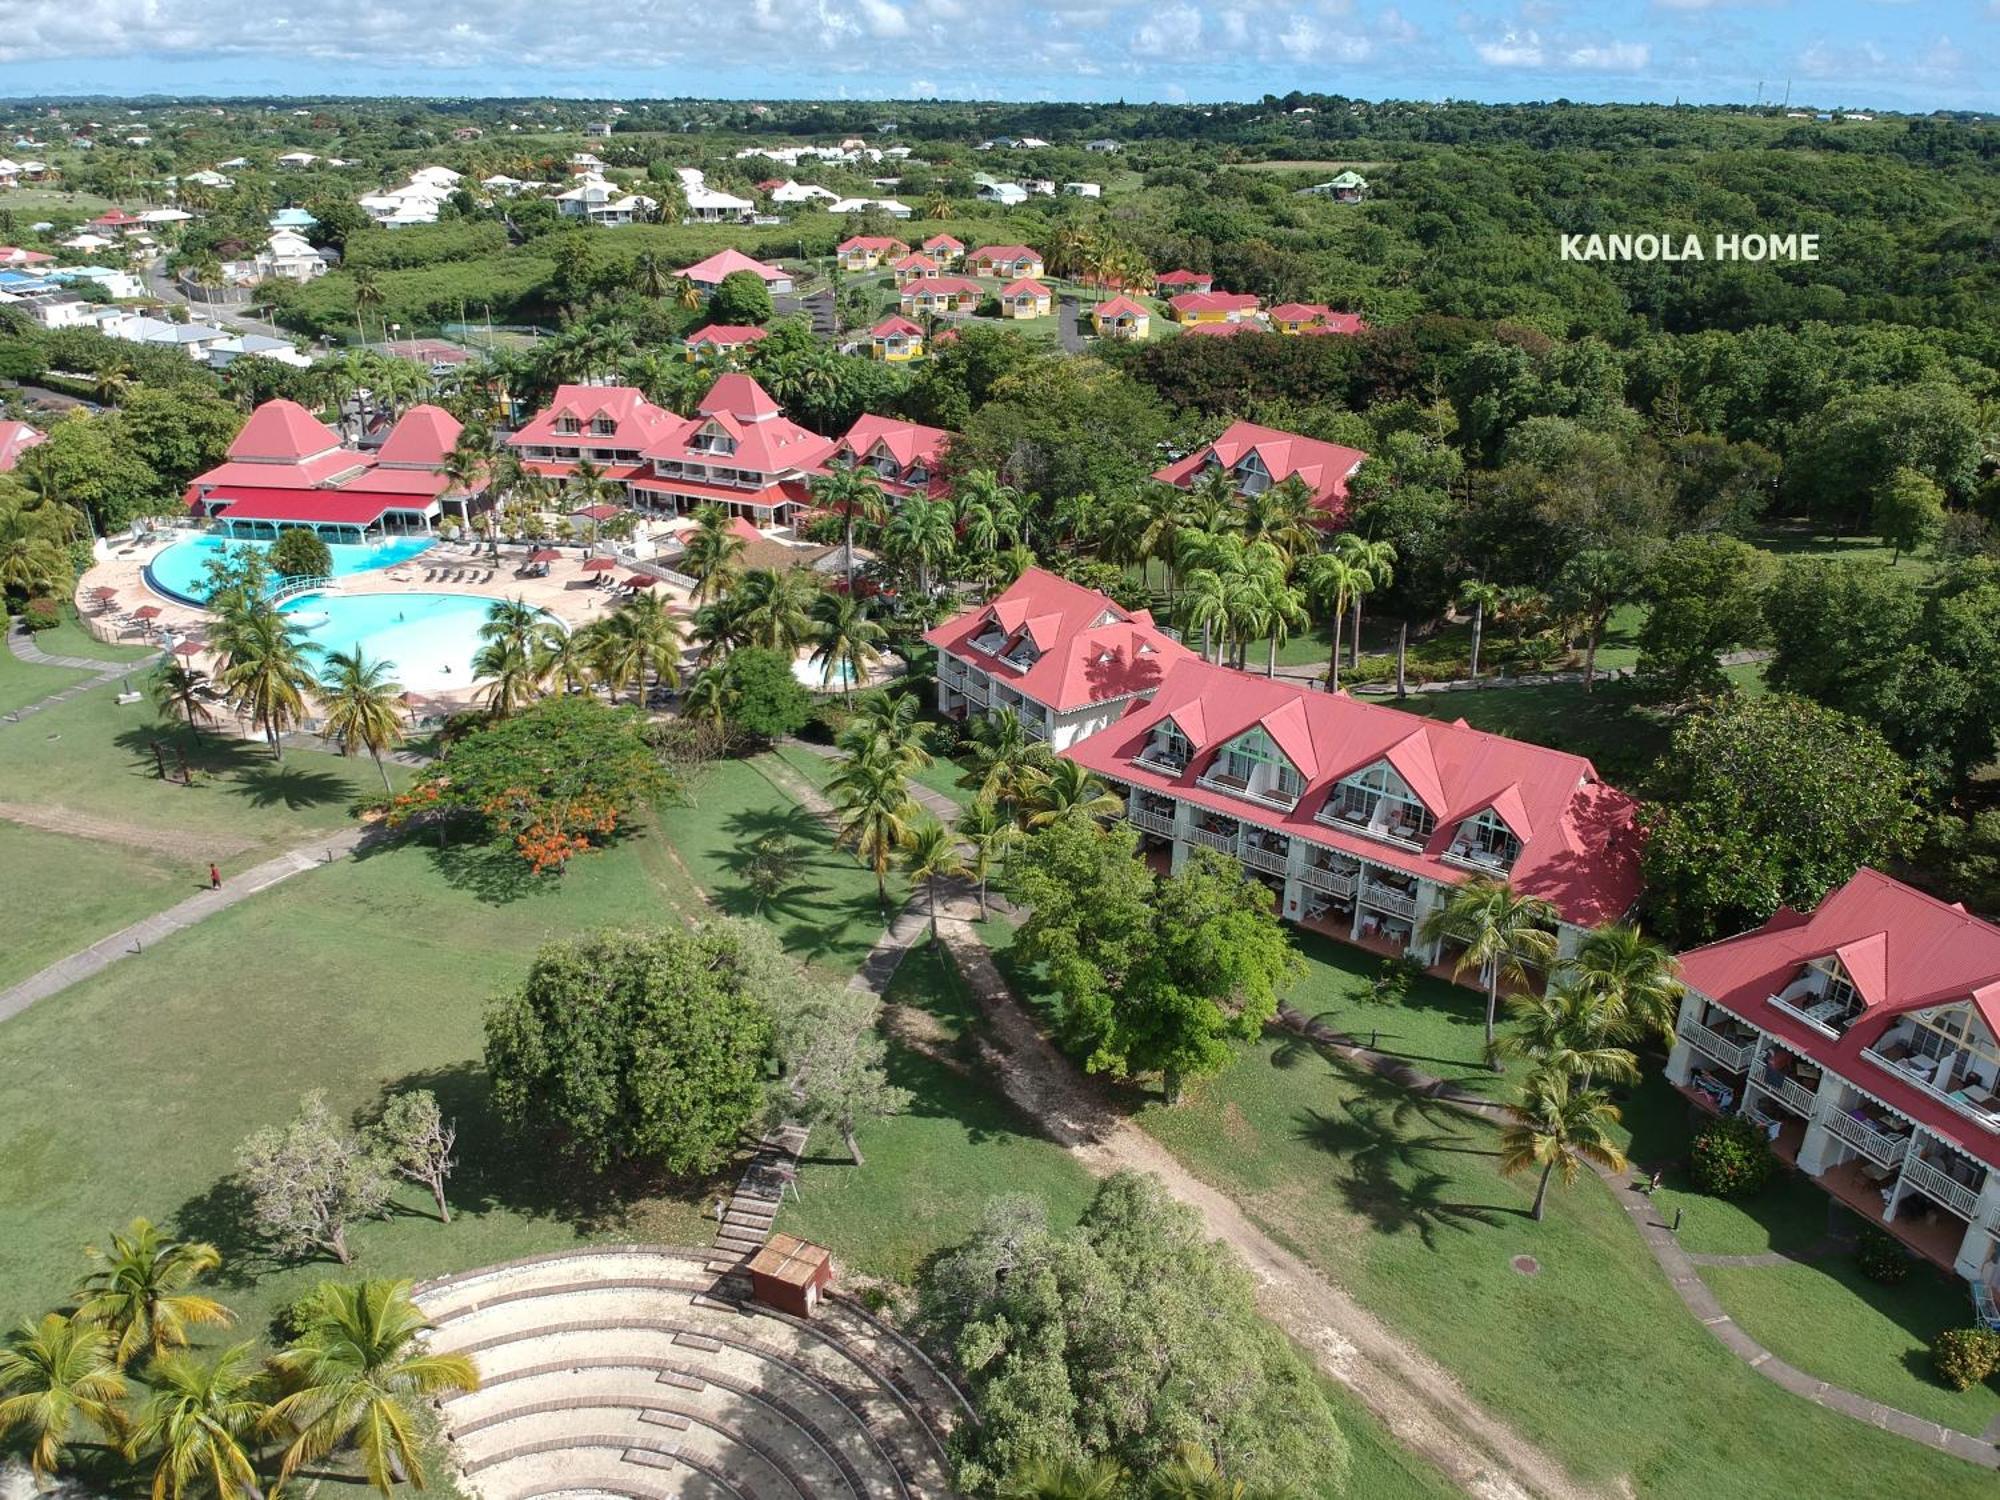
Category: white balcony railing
<point>974,690</point>
<point>1234,788</point>
<point>1035,729</point>
<point>1883,1150</point>
<point>1226,842</point>
<point>1792,1093</point>
<point>1160,764</point>
<point>1802,1014</point>
<point>1734,1056</point>
<point>1152,822</point>
<point>1383,899</point>
<point>1257,857</point>
<point>1941,1187</point>
<point>1972,1112</point>
<point>1321,879</point>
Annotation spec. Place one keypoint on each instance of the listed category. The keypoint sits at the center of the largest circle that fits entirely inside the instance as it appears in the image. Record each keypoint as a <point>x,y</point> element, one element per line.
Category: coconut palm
<point>854,493</point>
<point>1205,598</point>
<point>687,294</point>
<point>197,1416</point>
<point>1482,599</point>
<point>1282,515</point>
<point>872,796</point>
<point>644,630</point>
<point>1501,934</point>
<point>589,486</point>
<point>1066,1479</point>
<point>561,656</point>
<point>1065,789</point>
<point>506,672</point>
<point>1634,977</point>
<point>139,1294</point>
<point>707,699</point>
<point>58,1378</point>
<point>179,689</point>
<point>360,705</point>
<point>849,641</point>
<point>989,837</point>
<point>268,671</point>
<point>358,1373</point>
<point>1559,1128</point>
<point>1335,584</point>
<point>776,605</point>
<point>651,276</point>
<point>999,759</point>
<point>368,296</point>
<point>31,564</point>
<point>1376,562</point>
<point>712,553</point>
<point>511,622</point>
<point>930,854</point>
<point>1284,610</point>
<point>1569,1029</point>
<point>922,532</point>
<point>890,724</point>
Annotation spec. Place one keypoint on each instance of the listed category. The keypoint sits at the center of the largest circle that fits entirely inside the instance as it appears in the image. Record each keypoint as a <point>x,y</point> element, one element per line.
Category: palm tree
<point>687,294</point>
<point>561,656</point>
<point>1284,610</point>
<point>989,836</point>
<point>651,276</point>
<point>1568,1029</point>
<point>361,706</point>
<point>999,758</point>
<point>643,632</point>
<point>177,688</point>
<point>1559,1128</point>
<point>1500,933</point>
<point>849,641</point>
<point>1376,561</point>
<point>268,671</point>
<point>139,1291</point>
<point>711,553</point>
<point>358,1372</point>
<point>57,1376</point>
<point>872,795</point>
<point>922,531</point>
<point>197,1415</point>
<point>1634,977</point>
<point>931,854</point>
<point>889,724</point>
<point>1066,1479</point>
<point>1335,583</point>
<point>1482,599</point>
<point>511,622</point>
<point>1205,603</point>
<point>852,492</point>
<point>507,671</point>
<point>368,294</point>
<point>1065,789</point>
<point>707,699</point>
<point>776,607</point>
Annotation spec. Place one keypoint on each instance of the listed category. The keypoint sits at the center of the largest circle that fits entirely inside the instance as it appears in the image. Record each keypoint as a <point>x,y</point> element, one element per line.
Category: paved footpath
<point>22,644</point>
<point>132,941</point>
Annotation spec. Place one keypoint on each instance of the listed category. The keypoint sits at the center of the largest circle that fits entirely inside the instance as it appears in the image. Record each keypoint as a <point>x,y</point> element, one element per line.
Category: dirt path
<point>194,848</point>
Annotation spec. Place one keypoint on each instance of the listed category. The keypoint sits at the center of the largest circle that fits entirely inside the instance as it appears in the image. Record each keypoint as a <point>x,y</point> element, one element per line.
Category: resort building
<point>896,339</point>
<point>1313,317</point>
<point>1120,318</point>
<point>1173,283</point>
<point>708,274</point>
<point>17,438</point>
<point>1259,457</point>
<point>864,252</point>
<point>906,456</point>
<point>1065,658</point>
<point>1864,1040</point>
<point>944,249</point>
<point>1362,818</point>
<point>610,426</point>
<point>1024,299</point>
<point>721,338</point>
<point>1008,262</point>
<point>287,468</point>
<point>941,296</point>
<point>1212,307</point>
<point>738,451</point>
<point>916,266</point>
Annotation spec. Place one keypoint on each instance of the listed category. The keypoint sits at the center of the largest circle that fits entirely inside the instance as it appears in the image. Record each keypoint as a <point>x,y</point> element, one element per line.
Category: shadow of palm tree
<point>291,786</point>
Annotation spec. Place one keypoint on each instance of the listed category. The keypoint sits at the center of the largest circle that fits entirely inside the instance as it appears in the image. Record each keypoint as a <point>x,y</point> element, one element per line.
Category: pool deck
<point>567,592</point>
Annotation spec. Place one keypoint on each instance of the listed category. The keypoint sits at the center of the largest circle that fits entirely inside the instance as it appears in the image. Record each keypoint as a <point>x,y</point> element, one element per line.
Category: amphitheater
<point>646,1373</point>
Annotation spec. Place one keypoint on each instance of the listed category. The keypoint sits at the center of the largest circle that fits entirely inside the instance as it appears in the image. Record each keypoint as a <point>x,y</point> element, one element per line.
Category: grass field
<point>22,684</point>
<point>80,891</point>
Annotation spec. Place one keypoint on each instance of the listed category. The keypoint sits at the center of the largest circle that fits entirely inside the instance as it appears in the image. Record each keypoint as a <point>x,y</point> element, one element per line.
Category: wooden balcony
<point>1382,898</point>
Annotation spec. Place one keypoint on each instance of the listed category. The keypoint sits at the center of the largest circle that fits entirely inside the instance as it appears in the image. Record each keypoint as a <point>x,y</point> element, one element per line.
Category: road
<point>161,285</point>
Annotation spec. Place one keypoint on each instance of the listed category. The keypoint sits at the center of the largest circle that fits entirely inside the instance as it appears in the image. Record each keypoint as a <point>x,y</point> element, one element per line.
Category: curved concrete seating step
<point>775,1430</point>
<point>644,1422</point>
<point>597,1464</point>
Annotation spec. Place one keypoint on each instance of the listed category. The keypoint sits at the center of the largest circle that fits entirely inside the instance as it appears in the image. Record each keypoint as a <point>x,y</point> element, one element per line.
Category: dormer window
<point>603,426</point>
<point>1167,748</point>
<point>1486,840</point>
<point>1379,802</point>
<point>1252,766</point>
<point>991,638</point>
<point>917,474</point>
<point>1023,653</point>
<point>1252,478</point>
<point>568,424</point>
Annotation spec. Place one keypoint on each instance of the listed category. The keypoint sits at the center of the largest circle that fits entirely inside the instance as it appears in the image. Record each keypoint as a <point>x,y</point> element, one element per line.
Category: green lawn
<point>69,638</point>
<point>79,891</point>
<point>22,684</point>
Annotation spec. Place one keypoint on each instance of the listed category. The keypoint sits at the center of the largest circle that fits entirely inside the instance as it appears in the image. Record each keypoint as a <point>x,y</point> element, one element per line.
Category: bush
<point>767,701</point>
<point>1881,1258</point>
<point>1965,1356</point>
<point>41,613</point>
<point>1394,981</point>
<point>1730,1158</point>
<point>299,553</point>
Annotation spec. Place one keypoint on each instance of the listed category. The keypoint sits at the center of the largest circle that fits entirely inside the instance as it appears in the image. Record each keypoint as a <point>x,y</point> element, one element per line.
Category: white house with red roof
<point>1173,283</point>
<point>944,249</point>
<point>612,426</point>
<point>1313,318</point>
<point>941,297</point>
<point>739,451</point>
<point>1864,1039</point>
<point>907,457</point>
<point>286,468</point>
<point>1008,262</point>
<point>1065,658</point>
<point>1024,299</point>
<point>722,338</point>
<point>864,252</point>
<point>708,274</point>
<point>17,438</point>
<point>1259,457</point>
<point>1360,817</point>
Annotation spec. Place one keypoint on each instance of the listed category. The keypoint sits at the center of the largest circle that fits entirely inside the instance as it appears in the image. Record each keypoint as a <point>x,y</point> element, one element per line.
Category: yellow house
<point>940,296</point>
<point>1024,299</point>
<point>916,266</point>
<point>896,339</point>
<point>1120,318</point>
<point>1212,307</point>
<point>864,252</point>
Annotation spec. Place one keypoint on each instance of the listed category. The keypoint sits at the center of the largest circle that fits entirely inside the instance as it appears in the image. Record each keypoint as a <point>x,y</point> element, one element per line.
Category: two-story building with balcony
<point>1865,1040</point>
<point>738,451</point>
<point>906,457</point>
<point>611,426</point>
<point>864,252</point>
<point>1362,818</point>
<point>1258,457</point>
<point>1065,658</point>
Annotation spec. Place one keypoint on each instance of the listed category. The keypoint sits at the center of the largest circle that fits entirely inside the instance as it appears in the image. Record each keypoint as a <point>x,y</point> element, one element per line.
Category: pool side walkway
<point>22,644</point>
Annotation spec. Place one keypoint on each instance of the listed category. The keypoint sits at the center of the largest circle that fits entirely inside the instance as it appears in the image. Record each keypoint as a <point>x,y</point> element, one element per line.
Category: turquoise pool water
<point>431,638</point>
<point>177,570</point>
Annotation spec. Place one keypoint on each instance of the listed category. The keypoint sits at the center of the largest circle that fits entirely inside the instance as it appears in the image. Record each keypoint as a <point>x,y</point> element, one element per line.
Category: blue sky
<point>1907,54</point>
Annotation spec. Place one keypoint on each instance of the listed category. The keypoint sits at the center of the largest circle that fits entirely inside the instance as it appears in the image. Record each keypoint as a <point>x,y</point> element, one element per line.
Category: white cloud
<point>1517,49</point>
<point>884,19</point>
<point>1610,57</point>
<point>1170,31</point>
<point>922,88</point>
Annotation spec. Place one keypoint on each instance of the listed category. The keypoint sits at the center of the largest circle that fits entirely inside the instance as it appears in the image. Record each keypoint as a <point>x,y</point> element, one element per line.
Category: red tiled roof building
<point>1259,457</point>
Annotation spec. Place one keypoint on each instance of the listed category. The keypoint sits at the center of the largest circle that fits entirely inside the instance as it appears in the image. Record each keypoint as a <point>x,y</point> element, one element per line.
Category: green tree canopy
<point>1706,597</point>
<point>741,299</point>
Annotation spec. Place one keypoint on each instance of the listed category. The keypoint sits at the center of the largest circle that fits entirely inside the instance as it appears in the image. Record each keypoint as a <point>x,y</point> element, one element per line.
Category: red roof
<point>1121,307</point>
<point>421,438</point>
<point>1024,288</point>
<point>953,287</point>
<point>725,335</point>
<point>916,260</point>
<point>738,527</point>
<point>635,421</point>
<point>740,395</point>
<point>1324,467</point>
<point>1199,279</point>
<point>1318,316</point>
<point>894,326</point>
<point>906,443</point>
<point>17,438</point>
<point>282,432</point>
<point>943,242</point>
<point>1902,950</point>
<point>880,243</point>
<point>1223,302</point>
<point>741,411</point>
<point>770,496</point>
<point>329,507</point>
<point>1579,837</point>
<point>1006,253</point>
<point>723,263</point>
<point>1091,650</point>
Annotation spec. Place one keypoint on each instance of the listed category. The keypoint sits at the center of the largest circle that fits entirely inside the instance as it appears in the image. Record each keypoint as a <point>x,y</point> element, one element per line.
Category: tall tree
<point>310,1181</point>
<point>854,493</point>
<point>141,1291</point>
<point>1559,1128</point>
<point>930,854</point>
<point>201,1421</point>
<point>58,1379</point>
<point>871,792</point>
<point>1500,934</point>
<point>360,705</point>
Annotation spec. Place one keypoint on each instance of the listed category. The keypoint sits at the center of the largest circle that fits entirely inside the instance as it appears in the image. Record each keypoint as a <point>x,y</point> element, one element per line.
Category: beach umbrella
<point>599,564</point>
<point>146,612</point>
<point>640,581</point>
<point>599,512</point>
<point>190,648</point>
<point>106,594</point>
<point>544,555</point>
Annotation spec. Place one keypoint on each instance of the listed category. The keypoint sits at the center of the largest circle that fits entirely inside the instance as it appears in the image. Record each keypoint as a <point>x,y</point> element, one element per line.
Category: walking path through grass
<point>78,674</point>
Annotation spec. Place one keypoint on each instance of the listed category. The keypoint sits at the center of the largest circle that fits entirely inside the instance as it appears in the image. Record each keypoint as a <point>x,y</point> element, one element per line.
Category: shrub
<point>299,553</point>
<point>1965,1356</point>
<point>41,613</point>
<point>1730,1158</point>
<point>1881,1258</point>
<point>1395,979</point>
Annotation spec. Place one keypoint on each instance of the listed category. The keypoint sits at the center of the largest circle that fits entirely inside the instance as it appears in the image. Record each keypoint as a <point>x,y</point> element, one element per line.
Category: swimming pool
<point>177,570</point>
<point>431,638</point>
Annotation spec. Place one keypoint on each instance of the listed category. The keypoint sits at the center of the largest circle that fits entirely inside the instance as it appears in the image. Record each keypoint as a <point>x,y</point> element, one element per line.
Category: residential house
<point>1361,818</point>
<point>1121,318</point>
<point>1312,317</point>
<point>1348,187</point>
<point>225,352</point>
<point>738,451</point>
<point>1007,262</point>
<point>1083,189</point>
<point>297,161</point>
<point>1041,187</point>
<point>864,252</point>
<point>1066,659</point>
<point>1106,147</point>
<point>708,274</point>
<point>1024,299</point>
<point>943,296</point>
<point>17,438</point>
<point>789,191</point>
<point>1256,458</point>
<point>1005,193</point>
<point>720,338</point>
<point>888,206</point>
<point>597,130</point>
<point>1173,283</point>
<point>296,219</point>
<point>120,285</point>
<point>896,339</point>
<point>1864,1040</point>
<point>916,266</point>
<point>707,205</point>
<point>599,202</point>
<point>287,256</point>
<point>945,250</point>
<point>1212,307</point>
<point>14,255</point>
<point>210,179</point>
<point>906,456</point>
